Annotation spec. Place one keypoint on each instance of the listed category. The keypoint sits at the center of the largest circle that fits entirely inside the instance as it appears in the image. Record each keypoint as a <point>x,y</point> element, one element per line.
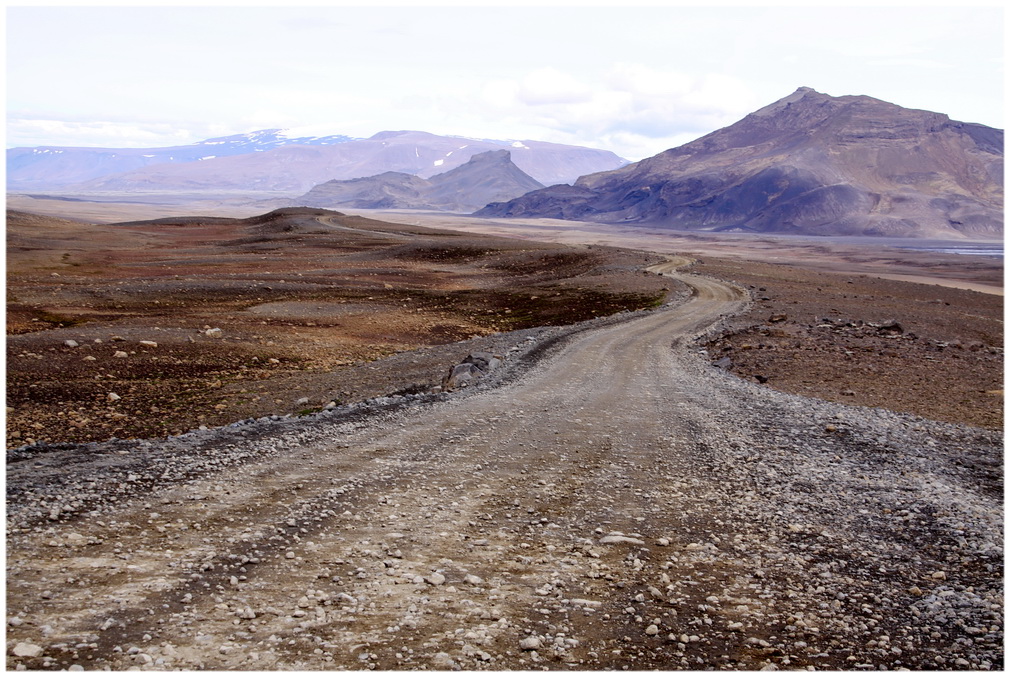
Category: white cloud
<point>546,86</point>
<point>113,134</point>
<point>631,108</point>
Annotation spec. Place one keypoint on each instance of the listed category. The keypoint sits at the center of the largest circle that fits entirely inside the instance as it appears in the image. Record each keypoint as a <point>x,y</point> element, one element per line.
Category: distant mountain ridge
<point>487,177</point>
<point>807,164</point>
<point>46,167</point>
<point>274,160</point>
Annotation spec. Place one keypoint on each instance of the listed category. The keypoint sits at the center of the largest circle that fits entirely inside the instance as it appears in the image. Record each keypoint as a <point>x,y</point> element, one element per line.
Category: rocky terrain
<point>932,351</point>
<point>486,177</point>
<point>156,328</point>
<point>807,164</point>
<point>609,500</point>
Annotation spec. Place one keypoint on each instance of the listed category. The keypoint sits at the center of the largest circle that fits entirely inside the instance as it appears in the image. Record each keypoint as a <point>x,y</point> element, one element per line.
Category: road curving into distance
<point>620,505</point>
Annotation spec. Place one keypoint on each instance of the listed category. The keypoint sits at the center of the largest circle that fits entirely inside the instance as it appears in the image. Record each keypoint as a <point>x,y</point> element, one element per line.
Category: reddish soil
<point>929,350</point>
<point>306,301</point>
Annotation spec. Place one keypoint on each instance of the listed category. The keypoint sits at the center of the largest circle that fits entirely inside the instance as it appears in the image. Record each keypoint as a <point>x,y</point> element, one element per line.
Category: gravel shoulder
<point>617,504</point>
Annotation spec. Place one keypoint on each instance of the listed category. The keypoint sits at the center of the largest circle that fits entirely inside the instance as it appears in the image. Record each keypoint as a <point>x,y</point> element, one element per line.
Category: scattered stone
<point>436,579</point>
<point>120,354</point>
<point>586,602</point>
<point>530,643</point>
<point>610,539</point>
<point>443,661</point>
<point>474,367</point>
<point>27,650</point>
<point>149,344</point>
<point>723,363</point>
<point>70,343</point>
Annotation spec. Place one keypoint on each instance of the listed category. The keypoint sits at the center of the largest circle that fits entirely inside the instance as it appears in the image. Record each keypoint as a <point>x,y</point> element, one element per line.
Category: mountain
<point>272,161</point>
<point>807,164</point>
<point>487,177</point>
<point>48,167</point>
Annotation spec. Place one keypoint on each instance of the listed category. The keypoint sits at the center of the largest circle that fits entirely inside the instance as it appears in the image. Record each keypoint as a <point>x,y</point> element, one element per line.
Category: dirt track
<point>620,505</point>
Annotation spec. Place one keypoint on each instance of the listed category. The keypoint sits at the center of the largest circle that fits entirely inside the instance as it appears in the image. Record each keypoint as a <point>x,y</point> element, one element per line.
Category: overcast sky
<point>633,80</point>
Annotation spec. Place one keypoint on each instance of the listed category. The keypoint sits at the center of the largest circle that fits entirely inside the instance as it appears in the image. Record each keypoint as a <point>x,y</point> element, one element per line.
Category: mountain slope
<point>486,177</point>
<point>48,167</point>
<point>270,160</point>
<point>807,164</point>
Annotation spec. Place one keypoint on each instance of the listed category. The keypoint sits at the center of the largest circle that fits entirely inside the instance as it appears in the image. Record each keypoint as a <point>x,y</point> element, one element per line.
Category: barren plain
<point>607,498</point>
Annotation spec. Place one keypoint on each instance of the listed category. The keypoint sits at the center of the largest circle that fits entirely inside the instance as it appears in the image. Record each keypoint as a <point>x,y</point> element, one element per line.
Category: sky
<point>634,80</point>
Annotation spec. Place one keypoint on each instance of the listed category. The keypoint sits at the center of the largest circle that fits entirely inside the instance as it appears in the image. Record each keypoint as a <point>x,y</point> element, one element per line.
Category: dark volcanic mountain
<point>808,164</point>
<point>271,161</point>
<point>486,177</point>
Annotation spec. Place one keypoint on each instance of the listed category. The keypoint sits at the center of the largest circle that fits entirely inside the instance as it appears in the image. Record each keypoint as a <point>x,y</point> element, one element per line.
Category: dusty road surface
<point>618,504</point>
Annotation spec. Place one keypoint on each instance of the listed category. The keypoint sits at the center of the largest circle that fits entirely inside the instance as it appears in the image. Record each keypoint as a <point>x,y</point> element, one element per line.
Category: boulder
<point>474,367</point>
<point>890,327</point>
<point>723,363</point>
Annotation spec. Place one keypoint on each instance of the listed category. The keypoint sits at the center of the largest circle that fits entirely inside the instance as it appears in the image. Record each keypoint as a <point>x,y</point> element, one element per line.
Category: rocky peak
<point>808,163</point>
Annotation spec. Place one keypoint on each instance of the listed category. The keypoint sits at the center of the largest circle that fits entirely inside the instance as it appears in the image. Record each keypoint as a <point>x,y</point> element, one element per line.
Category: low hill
<point>486,177</point>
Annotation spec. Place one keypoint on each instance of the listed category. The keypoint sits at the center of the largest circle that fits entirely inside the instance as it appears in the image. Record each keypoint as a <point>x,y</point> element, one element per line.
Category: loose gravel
<point>619,504</point>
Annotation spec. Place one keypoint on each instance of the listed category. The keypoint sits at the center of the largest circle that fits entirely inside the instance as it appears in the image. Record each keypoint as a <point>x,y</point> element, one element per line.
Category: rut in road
<point>617,506</point>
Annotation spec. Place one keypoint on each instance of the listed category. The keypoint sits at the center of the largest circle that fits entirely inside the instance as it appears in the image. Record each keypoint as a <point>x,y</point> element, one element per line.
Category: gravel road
<point>621,504</point>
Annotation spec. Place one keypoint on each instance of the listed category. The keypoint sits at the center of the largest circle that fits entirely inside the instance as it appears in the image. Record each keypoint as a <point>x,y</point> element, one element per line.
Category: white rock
<point>652,630</point>
<point>442,661</point>
<point>27,650</point>
<point>149,344</point>
<point>70,343</point>
<point>213,333</point>
<point>470,579</point>
<point>112,397</point>
<point>617,538</point>
<point>120,354</point>
<point>530,643</point>
<point>586,602</point>
<point>436,579</point>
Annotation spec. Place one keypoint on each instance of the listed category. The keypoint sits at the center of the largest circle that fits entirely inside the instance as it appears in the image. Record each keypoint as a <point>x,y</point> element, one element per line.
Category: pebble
<point>620,538</point>
<point>530,643</point>
<point>443,661</point>
<point>27,650</point>
<point>436,579</point>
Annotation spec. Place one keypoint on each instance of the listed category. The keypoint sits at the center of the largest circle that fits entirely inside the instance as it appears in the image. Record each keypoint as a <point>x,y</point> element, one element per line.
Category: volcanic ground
<point>153,328</point>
